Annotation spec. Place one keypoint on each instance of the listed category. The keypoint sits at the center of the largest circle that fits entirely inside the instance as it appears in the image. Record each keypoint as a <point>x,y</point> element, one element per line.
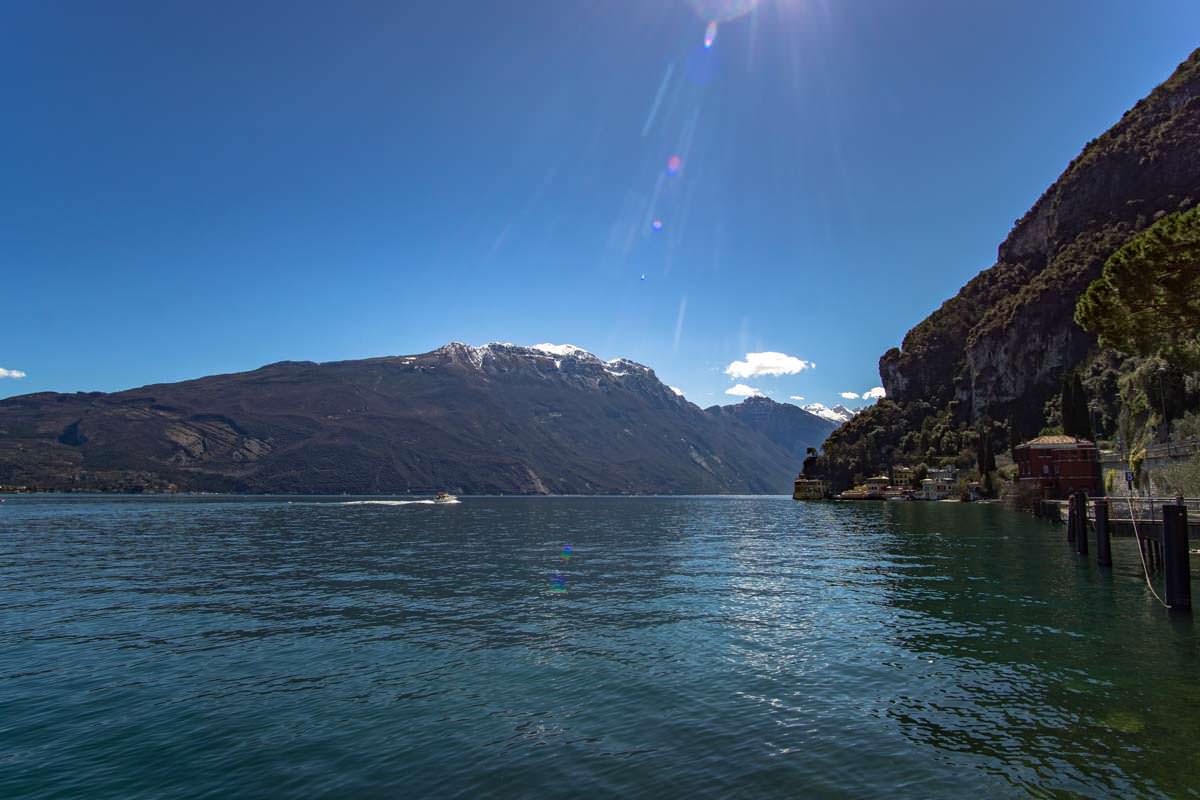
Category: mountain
<point>492,419</point>
<point>788,426</point>
<point>838,414</point>
<point>989,363</point>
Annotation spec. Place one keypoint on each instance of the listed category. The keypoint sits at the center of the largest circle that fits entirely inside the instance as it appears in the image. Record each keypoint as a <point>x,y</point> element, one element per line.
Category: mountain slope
<point>987,361</point>
<point>788,426</point>
<point>497,418</point>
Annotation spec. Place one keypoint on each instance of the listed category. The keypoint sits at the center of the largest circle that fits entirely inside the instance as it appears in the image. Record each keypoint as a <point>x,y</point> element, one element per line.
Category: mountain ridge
<point>500,418</point>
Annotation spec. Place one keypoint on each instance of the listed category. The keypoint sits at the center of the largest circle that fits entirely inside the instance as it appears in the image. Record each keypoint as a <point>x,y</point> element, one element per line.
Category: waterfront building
<point>877,488</point>
<point>1059,465</point>
<point>878,485</point>
<point>808,489</point>
<point>940,484</point>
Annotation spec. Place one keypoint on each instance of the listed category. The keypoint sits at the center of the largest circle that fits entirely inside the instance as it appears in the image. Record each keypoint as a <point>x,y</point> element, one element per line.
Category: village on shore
<point>1050,467</point>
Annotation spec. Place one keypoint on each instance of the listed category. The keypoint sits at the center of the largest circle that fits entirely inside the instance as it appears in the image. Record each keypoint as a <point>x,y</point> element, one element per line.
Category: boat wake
<point>398,503</point>
<point>453,502</point>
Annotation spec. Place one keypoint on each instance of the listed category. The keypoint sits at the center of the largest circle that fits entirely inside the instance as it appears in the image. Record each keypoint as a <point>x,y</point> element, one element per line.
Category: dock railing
<point>1145,510</point>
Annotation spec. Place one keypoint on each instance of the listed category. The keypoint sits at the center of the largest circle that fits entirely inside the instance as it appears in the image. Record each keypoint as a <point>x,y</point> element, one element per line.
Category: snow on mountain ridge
<point>616,367</point>
<point>562,350</point>
<point>838,413</point>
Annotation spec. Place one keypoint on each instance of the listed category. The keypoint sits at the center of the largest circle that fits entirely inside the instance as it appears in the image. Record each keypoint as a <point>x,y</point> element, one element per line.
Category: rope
<point>1141,554</point>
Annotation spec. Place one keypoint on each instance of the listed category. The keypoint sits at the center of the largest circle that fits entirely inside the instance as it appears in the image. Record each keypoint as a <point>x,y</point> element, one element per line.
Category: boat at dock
<point>877,488</point>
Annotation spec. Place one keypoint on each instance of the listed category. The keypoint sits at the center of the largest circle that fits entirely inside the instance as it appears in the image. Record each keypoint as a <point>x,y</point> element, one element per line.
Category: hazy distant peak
<point>839,413</point>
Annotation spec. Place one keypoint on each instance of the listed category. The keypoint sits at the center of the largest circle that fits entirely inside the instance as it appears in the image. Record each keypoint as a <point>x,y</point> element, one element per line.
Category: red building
<point>1060,465</point>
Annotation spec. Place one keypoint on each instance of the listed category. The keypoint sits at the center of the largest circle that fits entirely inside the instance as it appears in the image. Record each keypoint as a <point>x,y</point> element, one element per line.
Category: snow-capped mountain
<point>499,418</point>
<point>839,413</point>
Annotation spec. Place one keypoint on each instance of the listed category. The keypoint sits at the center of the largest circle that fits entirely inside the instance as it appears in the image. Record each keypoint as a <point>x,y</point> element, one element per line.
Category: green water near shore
<point>706,647</point>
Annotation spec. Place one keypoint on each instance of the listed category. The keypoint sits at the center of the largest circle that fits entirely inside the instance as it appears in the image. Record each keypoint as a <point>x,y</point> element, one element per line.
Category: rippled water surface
<point>698,647</point>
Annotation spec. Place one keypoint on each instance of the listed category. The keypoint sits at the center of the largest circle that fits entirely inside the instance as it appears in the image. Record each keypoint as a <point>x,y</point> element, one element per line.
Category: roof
<point>1056,439</point>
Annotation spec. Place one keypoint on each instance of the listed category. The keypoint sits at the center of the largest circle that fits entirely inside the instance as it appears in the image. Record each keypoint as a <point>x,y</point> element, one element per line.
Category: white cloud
<point>676,390</point>
<point>850,395</point>
<point>767,364</point>
<point>874,394</point>
<point>795,397</point>
<point>742,390</point>
<point>11,373</point>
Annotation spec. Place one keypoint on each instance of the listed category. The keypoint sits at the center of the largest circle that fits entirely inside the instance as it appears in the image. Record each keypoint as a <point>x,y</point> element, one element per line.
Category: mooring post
<point>1103,543</point>
<point>1175,557</point>
<point>1071,512</point>
<point>1081,533</point>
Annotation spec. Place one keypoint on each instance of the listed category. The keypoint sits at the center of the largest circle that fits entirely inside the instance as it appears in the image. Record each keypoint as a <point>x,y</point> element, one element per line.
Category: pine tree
<point>1147,300</point>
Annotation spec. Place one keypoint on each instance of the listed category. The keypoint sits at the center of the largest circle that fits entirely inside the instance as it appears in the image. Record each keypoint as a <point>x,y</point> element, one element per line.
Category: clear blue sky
<point>192,188</point>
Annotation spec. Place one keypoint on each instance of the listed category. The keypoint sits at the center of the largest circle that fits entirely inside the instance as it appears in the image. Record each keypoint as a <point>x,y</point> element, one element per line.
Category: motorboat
<point>445,497</point>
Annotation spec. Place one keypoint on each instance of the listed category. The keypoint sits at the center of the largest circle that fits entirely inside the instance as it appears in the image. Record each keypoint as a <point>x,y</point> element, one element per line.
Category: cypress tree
<point>1076,419</point>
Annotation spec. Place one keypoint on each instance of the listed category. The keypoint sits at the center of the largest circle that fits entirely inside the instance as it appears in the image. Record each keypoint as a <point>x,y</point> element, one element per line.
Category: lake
<point>552,647</point>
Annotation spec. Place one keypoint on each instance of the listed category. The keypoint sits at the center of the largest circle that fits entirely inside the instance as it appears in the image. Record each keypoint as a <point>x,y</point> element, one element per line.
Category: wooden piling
<point>1071,512</point>
<point>1103,542</point>
<point>1081,529</point>
<point>1176,566</point>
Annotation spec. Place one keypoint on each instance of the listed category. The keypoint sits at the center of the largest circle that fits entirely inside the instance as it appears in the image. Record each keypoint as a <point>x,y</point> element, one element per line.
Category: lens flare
<point>710,34</point>
<point>722,10</point>
<point>567,552</point>
<point>558,584</point>
<point>674,164</point>
<point>657,224</point>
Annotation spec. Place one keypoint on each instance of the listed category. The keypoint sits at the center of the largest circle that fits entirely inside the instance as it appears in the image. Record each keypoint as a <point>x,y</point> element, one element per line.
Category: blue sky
<point>194,188</point>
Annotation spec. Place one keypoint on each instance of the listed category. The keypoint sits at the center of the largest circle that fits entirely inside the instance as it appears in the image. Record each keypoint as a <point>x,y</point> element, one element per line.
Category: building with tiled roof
<point>1055,439</point>
<point>1059,465</point>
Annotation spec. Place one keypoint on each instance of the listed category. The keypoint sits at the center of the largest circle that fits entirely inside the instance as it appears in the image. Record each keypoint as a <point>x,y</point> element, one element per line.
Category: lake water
<point>683,647</point>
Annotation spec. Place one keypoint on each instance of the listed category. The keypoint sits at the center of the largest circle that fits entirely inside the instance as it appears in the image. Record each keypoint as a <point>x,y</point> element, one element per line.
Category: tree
<point>985,457</point>
<point>1147,299</point>
<point>811,464</point>
<point>1076,417</point>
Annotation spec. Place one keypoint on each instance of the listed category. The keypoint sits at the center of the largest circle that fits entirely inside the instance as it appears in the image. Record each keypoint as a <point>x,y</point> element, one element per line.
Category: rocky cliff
<point>498,418</point>
<point>998,349</point>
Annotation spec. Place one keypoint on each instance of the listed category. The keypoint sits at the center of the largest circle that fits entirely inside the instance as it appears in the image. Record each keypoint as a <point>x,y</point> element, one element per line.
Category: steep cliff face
<point>1147,165</point>
<point>1009,332</point>
<point>999,347</point>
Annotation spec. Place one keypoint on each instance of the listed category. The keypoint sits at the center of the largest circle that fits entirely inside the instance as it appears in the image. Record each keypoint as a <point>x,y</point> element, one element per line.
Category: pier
<point>1127,513</point>
<point>1160,525</point>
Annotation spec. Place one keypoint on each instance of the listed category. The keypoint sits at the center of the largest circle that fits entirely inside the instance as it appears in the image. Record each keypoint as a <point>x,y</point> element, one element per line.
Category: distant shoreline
<point>56,493</point>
